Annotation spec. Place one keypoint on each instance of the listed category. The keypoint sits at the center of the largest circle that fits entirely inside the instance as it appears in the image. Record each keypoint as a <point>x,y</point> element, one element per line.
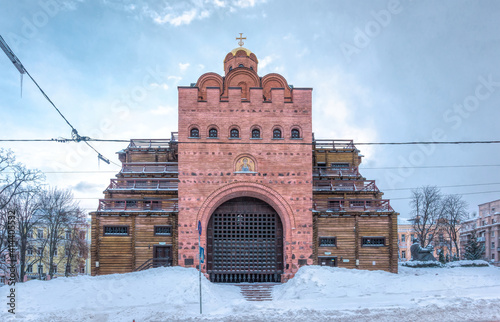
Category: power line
<point>20,67</point>
<point>435,166</point>
<point>86,138</point>
<point>454,186</point>
<point>463,194</point>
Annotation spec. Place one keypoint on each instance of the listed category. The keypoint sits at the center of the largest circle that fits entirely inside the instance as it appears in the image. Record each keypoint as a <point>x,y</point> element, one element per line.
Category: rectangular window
<point>357,203</point>
<point>29,269</point>
<point>493,256</point>
<point>40,269</point>
<point>492,245</point>
<point>334,205</point>
<point>163,230</point>
<point>68,235</point>
<point>30,234</point>
<point>412,237</point>
<point>403,254</point>
<point>115,230</point>
<point>373,241</point>
<point>39,233</point>
<point>340,166</point>
<point>29,251</point>
<point>39,251</point>
<point>328,241</point>
<point>55,252</point>
<point>54,269</point>
<point>403,238</point>
<point>492,234</point>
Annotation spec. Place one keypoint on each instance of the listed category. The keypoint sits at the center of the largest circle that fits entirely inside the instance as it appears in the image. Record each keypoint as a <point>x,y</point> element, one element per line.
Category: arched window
<point>194,133</point>
<point>235,133</point>
<point>212,133</point>
<point>230,68</point>
<point>255,134</point>
<point>241,65</point>
<point>276,134</point>
<point>295,134</point>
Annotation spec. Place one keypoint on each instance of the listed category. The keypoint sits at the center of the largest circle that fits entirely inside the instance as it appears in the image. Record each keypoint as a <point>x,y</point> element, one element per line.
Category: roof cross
<point>240,38</point>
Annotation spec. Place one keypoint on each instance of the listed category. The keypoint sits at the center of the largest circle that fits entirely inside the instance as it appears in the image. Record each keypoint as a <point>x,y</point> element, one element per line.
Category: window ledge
<point>212,137</point>
<point>194,137</point>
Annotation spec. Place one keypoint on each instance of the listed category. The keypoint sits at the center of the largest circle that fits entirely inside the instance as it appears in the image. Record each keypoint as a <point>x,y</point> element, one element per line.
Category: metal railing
<point>144,184</point>
<point>154,262</point>
<point>334,144</point>
<point>329,172</point>
<point>165,205</point>
<point>340,205</point>
<point>150,167</point>
<point>338,185</point>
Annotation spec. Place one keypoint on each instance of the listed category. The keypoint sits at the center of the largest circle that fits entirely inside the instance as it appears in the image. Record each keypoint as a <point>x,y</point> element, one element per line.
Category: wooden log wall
<point>349,230</point>
<point>122,254</point>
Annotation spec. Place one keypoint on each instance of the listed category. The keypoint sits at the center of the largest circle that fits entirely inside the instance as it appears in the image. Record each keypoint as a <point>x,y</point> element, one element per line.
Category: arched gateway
<point>245,242</point>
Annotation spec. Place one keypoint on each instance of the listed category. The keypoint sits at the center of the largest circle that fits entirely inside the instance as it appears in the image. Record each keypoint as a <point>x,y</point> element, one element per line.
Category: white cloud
<point>178,13</point>
<point>183,66</point>
<point>162,85</point>
<point>176,20</point>
<point>265,61</point>
<point>163,110</point>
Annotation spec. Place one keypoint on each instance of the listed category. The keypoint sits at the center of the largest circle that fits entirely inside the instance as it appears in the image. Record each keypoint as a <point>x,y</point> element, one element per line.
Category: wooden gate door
<point>162,256</point>
<point>245,242</point>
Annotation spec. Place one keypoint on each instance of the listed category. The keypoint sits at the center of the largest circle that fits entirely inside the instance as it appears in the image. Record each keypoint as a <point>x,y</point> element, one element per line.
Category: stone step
<point>257,291</point>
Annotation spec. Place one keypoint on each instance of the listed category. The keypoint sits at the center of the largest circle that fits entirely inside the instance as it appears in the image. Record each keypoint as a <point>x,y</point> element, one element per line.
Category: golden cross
<point>240,42</point>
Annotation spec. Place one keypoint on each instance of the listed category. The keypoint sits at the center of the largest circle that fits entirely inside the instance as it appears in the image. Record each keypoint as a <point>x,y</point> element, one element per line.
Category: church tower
<point>245,173</point>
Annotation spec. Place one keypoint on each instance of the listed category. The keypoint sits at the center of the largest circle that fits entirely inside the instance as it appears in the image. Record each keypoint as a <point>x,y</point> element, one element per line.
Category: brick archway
<point>254,190</point>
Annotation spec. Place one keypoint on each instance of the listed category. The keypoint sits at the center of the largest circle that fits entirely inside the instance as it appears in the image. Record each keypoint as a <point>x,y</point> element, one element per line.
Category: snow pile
<point>315,294</point>
<point>468,263</point>
<point>422,264</point>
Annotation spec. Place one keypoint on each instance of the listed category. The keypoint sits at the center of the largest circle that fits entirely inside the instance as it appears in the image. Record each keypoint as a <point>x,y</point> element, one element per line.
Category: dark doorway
<point>162,256</point>
<point>327,261</point>
<point>245,242</point>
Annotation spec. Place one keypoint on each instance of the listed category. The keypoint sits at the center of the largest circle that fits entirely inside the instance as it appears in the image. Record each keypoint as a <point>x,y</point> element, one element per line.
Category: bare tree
<point>427,209</point>
<point>76,245</point>
<point>14,177</point>
<point>58,209</point>
<point>26,206</point>
<point>455,211</point>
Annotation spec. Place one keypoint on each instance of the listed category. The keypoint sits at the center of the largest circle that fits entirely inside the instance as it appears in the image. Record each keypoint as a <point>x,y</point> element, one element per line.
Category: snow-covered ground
<point>315,294</point>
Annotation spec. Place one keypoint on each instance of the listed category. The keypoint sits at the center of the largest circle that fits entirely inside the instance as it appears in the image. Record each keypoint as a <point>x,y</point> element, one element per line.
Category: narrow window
<point>328,241</point>
<point>195,133</point>
<point>295,134</point>
<point>403,254</point>
<point>212,133</point>
<point>163,230</point>
<point>373,241</point>
<point>29,269</point>
<point>235,133</point>
<point>276,134</point>
<point>403,238</point>
<point>255,134</point>
<point>39,233</point>
<point>115,230</point>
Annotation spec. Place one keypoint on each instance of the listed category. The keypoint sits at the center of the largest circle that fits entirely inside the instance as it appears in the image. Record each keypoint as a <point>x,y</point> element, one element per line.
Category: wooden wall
<point>122,254</point>
<point>349,230</point>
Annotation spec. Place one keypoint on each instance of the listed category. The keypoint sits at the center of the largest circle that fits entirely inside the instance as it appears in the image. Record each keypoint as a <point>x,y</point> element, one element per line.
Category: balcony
<point>153,143</point>
<point>138,205</point>
<point>352,205</point>
<point>149,168</point>
<point>144,184</point>
<point>339,173</point>
<point>338,185</point>
<point>334,145</point>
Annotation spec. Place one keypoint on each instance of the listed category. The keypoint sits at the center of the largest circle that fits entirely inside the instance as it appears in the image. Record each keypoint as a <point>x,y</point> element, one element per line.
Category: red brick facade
<point>208,174</point>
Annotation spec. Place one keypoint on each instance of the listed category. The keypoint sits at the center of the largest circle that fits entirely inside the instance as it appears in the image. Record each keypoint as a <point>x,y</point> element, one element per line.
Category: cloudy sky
<point>382,71</point>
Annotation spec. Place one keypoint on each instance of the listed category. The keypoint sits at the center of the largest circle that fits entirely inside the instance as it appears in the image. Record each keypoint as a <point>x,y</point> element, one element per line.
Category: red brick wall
<point>283,175</point>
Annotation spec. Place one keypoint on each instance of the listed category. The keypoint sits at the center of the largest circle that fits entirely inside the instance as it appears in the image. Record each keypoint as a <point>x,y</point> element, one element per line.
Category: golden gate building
<point>244,163</point>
